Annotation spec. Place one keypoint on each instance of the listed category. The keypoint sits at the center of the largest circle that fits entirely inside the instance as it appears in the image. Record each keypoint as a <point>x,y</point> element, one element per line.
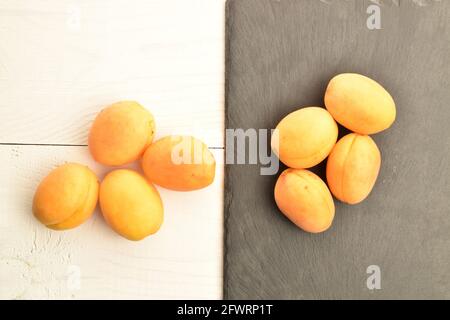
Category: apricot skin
<point>130,204</point>
<point>353,167</point>
<point>121,133</point>
<point>305,199</point>
<point>359,103</point>
<point>162,169</point>
<point>305,137</point>
<point>66,197</point>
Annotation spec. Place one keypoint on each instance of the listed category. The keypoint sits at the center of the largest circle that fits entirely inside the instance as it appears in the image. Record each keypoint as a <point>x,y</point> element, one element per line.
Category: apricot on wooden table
<point>130,204</point>
<point>66,197</point>
<point>181,163</point>
<point>120,133</point>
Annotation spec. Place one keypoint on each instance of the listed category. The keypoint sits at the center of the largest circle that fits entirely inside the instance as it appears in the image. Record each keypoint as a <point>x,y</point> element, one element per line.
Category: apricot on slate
<point>353,167</point>
<point>120,133</point>
<point>66,197</point>
<point>359,103</point>
<point>130,204</point>
<point>305,137</point>
<point>181,163</point>
<point>305,199</point>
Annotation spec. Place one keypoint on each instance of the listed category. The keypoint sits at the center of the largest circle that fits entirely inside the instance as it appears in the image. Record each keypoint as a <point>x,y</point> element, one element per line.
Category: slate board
<point>280,56</point>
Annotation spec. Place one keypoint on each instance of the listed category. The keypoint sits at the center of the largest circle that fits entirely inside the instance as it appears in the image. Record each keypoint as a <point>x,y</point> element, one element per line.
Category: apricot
<point>305,199</point>
<point>66,197</point>
<point>181,163</point>
<point>130,204</point>
<point>353,167</point>
<point>305,137</point>
<point>121,133</point>
<point>359,103</point>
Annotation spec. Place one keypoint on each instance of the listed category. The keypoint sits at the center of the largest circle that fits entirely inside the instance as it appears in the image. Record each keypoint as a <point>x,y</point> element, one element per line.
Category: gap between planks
<point>65,145</point>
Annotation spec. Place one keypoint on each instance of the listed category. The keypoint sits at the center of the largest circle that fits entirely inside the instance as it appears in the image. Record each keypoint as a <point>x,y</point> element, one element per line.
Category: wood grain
<point>60,63</point>
<point>182,261</point>
<point>281,55</point>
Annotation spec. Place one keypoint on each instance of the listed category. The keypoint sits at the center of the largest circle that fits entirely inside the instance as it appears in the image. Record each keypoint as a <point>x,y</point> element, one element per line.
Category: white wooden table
<point>60,63</point>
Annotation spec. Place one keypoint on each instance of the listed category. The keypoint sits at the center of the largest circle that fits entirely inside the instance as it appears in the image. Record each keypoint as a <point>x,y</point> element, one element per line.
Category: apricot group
<point>307,136</point>
<point>120,134</point>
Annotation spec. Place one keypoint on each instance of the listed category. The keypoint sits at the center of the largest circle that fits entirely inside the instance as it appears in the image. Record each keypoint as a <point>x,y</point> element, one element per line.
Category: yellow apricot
<point>305,137</point>
<point>130,204</point>
<point>305,199</point>
<point>353,167</point>
<point>66,197</point>
<point>121,133</point>
<point>359,103</point>
<point>181,163</point>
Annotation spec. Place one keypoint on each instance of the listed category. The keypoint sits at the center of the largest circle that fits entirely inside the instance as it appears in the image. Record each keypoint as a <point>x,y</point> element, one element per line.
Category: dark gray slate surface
<point>280,56</point>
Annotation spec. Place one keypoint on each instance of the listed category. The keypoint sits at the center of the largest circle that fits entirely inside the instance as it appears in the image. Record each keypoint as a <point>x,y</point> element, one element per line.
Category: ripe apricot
<point>66,197</point>
<point>359,103</point>
<point>305,199</point>
<point>130,204</point>
<point>305,137</point>
<point>353,167</point>
<point>181,163</point>
<point>120,133</point>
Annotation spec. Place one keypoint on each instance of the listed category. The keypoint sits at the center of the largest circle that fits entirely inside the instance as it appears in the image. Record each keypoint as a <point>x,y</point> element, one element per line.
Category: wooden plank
<point>182,261</point>
<point>61,62</point>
